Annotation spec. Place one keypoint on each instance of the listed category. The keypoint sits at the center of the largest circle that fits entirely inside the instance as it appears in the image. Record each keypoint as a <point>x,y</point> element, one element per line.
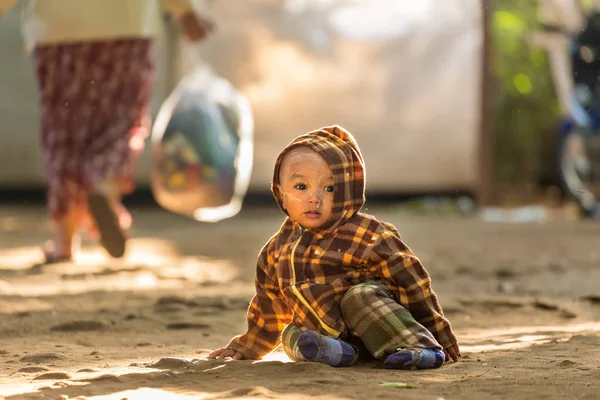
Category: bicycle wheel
<point>575,171</point>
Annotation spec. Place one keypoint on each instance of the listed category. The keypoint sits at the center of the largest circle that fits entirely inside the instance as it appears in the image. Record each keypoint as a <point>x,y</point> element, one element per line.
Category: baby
<point>333,275</point>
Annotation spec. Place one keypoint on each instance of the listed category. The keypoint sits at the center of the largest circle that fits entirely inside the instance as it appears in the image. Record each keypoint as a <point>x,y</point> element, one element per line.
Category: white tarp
<point>403,75</point>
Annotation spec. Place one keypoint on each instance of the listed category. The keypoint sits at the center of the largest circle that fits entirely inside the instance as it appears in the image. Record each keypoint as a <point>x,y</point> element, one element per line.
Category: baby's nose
<point>315,196</point>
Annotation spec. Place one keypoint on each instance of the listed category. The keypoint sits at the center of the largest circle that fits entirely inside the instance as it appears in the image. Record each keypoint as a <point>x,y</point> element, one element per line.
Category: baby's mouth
<point>312,214</point>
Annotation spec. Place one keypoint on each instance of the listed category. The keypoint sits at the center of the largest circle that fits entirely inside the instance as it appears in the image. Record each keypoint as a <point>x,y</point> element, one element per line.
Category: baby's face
<point>306,184</point>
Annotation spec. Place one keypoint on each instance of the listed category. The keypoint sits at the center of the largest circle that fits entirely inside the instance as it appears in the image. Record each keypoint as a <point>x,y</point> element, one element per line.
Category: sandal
<point>112,236</point>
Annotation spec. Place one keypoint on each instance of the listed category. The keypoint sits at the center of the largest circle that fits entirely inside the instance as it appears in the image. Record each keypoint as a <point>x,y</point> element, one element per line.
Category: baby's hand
<point>224,352</point>
<point>452,352</point>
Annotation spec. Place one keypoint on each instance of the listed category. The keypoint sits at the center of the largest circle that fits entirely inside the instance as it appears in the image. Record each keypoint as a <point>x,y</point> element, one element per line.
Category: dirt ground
<point>524,300</point>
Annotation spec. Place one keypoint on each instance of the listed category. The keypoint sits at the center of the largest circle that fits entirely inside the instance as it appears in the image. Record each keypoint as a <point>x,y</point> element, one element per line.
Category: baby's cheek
<point>291,197</point>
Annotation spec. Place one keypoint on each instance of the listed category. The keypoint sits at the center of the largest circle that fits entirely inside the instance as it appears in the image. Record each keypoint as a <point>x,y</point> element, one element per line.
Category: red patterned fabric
<point>94,98</point>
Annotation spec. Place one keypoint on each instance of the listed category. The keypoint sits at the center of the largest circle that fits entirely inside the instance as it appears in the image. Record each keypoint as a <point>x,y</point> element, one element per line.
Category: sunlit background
<point>480,145</point>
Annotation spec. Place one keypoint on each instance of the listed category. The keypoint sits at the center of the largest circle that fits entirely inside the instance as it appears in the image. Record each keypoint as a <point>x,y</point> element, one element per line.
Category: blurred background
<point>405,79</point>
<point>453,97</point>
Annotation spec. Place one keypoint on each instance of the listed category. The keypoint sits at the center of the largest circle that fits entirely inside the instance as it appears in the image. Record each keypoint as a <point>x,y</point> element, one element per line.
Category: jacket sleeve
<point>392,261</point>
<point>6,5</point>
<point>267,314</point>
<point>176,8</point>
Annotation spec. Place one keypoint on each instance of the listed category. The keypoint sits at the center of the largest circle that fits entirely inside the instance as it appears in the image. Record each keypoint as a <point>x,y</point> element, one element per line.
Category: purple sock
<point>415,359</point>
<point>326,350</point>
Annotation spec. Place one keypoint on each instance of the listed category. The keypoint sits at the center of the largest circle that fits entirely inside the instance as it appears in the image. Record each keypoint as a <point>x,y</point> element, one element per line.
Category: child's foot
<point>415,359</point>
<point>326,350</point>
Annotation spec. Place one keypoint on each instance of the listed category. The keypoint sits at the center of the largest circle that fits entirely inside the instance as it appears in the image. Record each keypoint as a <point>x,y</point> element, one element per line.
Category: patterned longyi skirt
<point>94,120</point>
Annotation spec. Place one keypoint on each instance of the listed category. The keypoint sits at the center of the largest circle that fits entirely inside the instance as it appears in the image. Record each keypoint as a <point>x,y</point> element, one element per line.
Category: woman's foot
<point>415,359</point>
<point>108,224</point>
<point>326,350</point>
<point>54,254</point>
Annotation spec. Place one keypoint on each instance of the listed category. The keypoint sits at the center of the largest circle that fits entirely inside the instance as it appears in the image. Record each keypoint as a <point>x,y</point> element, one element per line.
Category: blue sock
<point>415,359</point>
<point>326,350</point>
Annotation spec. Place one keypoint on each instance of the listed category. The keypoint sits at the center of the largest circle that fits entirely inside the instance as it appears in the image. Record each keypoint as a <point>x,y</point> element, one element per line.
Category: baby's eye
<point>300,186</point>
<point>329,188</point>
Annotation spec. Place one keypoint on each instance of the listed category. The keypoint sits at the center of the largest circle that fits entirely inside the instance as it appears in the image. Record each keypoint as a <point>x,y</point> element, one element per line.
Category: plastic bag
<point>202,144</point>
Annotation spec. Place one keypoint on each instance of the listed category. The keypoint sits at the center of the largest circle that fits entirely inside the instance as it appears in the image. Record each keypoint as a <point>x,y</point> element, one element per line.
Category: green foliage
<point>525,106</point>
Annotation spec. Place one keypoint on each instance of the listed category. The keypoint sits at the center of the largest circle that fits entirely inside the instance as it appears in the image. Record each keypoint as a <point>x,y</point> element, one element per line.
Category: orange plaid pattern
<point>303,274</point>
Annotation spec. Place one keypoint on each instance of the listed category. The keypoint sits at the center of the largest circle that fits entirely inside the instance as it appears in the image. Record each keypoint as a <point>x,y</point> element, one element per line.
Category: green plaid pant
<point>372,314</point>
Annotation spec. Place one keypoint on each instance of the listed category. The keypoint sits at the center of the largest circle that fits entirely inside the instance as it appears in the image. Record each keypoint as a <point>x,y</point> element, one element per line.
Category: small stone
<point>506,287</point>
<point>94,353</point>
<point>170,363</point>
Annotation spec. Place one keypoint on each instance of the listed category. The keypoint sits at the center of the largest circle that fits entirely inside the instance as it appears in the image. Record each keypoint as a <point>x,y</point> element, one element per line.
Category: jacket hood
<point>340,150</point>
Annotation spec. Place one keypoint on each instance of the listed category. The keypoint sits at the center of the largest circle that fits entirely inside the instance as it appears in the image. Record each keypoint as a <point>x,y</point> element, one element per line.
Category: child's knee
<point>362,295</point>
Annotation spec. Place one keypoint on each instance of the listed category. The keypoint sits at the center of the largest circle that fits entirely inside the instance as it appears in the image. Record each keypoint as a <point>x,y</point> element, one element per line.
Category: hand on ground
<point>224,353</point>
<point>452,352</point>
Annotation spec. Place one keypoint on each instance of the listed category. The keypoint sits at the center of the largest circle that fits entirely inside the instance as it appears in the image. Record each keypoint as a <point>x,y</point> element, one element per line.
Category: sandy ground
<point>524,300</point>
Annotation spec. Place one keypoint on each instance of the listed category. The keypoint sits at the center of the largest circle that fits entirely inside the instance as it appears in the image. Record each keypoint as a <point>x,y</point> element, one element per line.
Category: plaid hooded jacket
<point>302,274</point>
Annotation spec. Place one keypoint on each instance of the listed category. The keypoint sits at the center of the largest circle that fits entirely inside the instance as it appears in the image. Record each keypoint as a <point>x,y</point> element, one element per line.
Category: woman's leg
<point>64,198</point>
<point>388,330</point>
<point>66,238</point>
<point>94,121</point>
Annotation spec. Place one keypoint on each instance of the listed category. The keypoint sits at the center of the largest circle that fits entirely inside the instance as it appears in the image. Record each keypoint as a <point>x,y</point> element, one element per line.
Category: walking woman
<point>95,63</point>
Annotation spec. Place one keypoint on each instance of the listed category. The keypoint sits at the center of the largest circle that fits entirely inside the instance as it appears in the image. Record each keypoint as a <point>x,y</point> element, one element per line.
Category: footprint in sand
<point>79,326</point>
<point>258,392</point>
<point>567,364</point>
<point>52,375</point>
<point>172,304</point>
<point>33,369</point>
<point>104,378</point>
<point>41,358</point>
<point>187,325</point>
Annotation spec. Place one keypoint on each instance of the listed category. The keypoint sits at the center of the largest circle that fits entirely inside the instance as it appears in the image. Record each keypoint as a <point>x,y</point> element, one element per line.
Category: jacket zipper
<point>327,328</point>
